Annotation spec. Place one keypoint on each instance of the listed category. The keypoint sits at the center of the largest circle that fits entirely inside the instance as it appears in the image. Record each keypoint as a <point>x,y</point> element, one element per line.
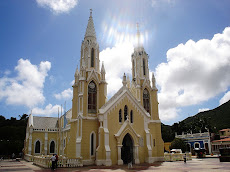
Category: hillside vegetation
<point>212,120</point>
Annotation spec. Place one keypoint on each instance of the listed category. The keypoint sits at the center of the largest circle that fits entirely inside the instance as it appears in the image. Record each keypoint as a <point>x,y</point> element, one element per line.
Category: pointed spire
<point>76,73</point>
<point>138,37</point>
<point>90,31</point>
<point>128,81</point>
<point>153,81</point>
<point>103,68</point>
<point>124,82</point>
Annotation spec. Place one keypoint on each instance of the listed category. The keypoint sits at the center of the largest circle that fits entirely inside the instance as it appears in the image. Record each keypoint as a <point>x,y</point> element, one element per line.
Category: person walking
<point>53,159</point>
<point>185,158</point>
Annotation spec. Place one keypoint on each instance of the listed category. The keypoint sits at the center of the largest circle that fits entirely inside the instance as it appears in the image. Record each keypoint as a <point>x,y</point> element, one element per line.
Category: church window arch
<point>92,57</point>
<point>125,113</point>
<point>144,66</point>
<point>120,115</point>
<point>52,147</point>
<point>92,97</point>
<point>146,100</point>
<point>131,116</point>
<point>37,147</point>
<point>92,144</point>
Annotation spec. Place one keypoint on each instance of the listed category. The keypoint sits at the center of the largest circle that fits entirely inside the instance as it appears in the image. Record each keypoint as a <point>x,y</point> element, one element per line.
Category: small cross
<point>91,11</point>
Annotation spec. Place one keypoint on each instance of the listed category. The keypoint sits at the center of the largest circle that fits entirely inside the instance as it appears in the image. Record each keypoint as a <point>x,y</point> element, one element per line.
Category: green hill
<point>219,118</point>
<point>212,120</point>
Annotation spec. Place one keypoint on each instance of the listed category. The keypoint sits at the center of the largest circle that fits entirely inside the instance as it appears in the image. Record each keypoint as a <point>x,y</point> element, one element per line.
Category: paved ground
<point>207,164</point>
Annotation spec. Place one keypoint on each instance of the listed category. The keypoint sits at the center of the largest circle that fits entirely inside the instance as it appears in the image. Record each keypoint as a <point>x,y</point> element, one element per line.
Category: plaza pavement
<point>205,164</point>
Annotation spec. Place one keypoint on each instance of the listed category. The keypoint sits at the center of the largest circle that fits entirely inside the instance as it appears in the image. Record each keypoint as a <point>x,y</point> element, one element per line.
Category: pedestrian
<point>13,155</point>
<point>53,158</point>
<point>185,158</point>
<point>56,156</point>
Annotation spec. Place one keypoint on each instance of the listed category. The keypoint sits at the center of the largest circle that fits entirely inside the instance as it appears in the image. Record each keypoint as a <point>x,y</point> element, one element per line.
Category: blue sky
<point>188,43</point>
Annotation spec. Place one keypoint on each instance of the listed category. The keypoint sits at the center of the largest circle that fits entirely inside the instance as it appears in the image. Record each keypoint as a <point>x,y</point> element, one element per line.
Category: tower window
<point>92,97</point>
<point>125,113</point>
<point>37,147</point>
<point>131,116</point>
<point>146,100</point>
<point>120,116</point>
<point>134,74</point>
<point>144,66</point>
<point>92,57</point>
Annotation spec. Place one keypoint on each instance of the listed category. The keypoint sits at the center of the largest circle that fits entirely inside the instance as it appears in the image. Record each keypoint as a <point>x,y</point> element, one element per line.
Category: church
<point>126,128</point>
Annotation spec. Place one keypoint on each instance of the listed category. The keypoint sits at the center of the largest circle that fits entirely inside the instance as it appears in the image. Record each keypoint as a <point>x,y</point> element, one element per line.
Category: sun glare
<point>118,30</point>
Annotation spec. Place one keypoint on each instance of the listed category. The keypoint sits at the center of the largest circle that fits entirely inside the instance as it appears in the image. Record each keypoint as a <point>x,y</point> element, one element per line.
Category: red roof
<point>222,140</point>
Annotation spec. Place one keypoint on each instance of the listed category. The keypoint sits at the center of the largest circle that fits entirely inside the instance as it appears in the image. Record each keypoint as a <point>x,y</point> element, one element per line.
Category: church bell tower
<point>89,94</point>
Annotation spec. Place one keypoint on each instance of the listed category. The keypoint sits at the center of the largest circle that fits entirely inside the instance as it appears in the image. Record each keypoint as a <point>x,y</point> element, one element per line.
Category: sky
<point>188,43</point>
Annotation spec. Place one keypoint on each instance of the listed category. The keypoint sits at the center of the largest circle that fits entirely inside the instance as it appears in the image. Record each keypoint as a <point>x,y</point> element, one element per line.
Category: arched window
<point>92,57</point>
<point>92,97</point>
<point>125,113</point>
<point>197,145</point>
<point>144,66</point>
<point>120,115</point>
<point>92,144</point>
<point>37,146</point>
<point>146,100</point>
<point>131,116</point>
<point>52,147</point>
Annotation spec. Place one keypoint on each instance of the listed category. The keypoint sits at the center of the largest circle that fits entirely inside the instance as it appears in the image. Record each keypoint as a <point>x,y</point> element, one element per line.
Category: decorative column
<point>136,155</point>
<point>119,161</point>
<point>30,141</point>
<point>46,143</point>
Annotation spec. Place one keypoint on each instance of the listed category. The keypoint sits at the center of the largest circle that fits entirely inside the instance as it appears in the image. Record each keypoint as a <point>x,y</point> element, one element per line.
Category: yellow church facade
<point>124,129</point>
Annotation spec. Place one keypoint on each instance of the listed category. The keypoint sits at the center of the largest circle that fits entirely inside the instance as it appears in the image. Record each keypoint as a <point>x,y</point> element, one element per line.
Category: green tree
<point>178,143</point>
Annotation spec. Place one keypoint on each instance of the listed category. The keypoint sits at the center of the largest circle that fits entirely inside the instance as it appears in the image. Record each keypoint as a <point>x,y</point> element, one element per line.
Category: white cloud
<point>58,6</point>
<point>157,3</point>
<point>117,60</point>
<point>27,87</point>
<point>225,98</point>
<point>49,110</point>
<point>65,95</point>
<point>194,72</point>
<point>203,109</point>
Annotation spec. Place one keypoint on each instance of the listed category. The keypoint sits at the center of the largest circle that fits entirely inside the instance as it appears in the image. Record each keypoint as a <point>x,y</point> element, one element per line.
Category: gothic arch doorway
<point>127,149</point>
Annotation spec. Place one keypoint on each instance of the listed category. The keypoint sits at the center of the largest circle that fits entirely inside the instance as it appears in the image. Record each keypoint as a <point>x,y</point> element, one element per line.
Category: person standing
<point>56,160</point>
<point>53,159</point>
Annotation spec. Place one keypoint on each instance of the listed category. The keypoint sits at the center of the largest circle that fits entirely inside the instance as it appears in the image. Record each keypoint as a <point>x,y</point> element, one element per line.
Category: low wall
<point>177,156</point>
<point>45,162</point>
<point>28,157</point>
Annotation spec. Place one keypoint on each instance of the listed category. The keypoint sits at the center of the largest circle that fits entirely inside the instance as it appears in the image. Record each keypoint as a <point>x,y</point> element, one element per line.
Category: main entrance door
<point>127,149</point>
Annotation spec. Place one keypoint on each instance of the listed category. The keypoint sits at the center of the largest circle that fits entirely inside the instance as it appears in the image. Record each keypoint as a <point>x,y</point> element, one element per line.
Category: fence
<point>45,162</point>
<point>177,156</point>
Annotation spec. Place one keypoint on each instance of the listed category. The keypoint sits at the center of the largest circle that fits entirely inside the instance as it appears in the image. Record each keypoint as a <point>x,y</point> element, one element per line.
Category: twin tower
<point>124,129</point>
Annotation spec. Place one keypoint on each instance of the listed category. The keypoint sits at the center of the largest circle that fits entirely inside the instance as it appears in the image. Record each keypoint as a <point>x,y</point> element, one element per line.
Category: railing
<point>177,156</point>
<point>45,162</point>
<point>28,157</point>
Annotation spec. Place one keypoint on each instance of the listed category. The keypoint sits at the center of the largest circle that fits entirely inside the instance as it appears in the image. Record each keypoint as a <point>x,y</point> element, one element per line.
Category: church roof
<point>69,114</point>
<point>90,30</point>
<point>44,122</point>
